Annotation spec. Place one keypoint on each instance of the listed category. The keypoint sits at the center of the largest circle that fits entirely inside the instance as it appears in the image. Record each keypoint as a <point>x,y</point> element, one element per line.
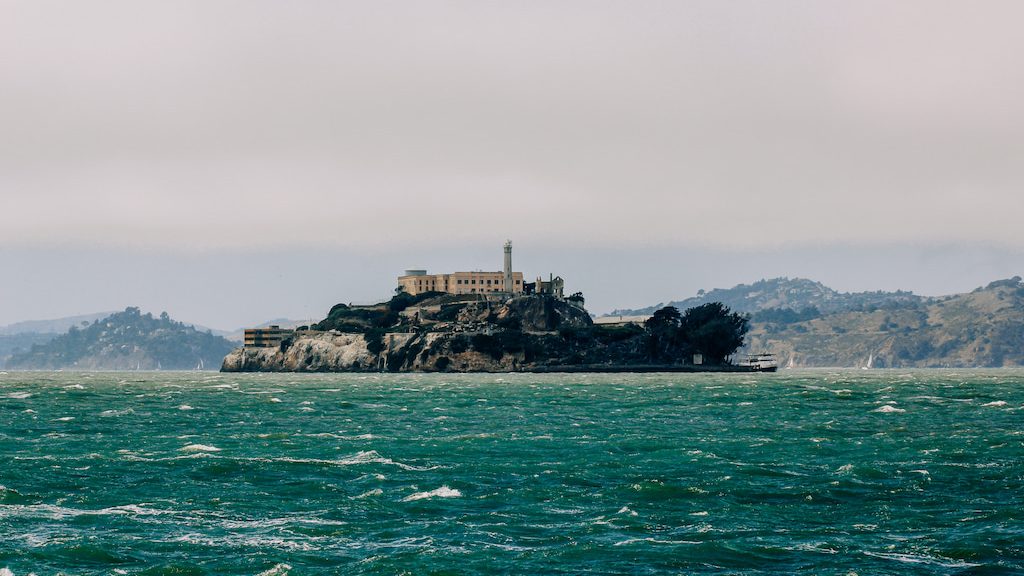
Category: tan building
<point>418,281</point>
<point>505,282</point>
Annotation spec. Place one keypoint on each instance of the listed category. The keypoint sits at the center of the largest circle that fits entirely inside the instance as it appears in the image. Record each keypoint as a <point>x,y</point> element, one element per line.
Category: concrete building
<point>621,320</point>
<point>418,281</point>
<point>554,286</point>
<point>269,337</point>
<point>504,282</point>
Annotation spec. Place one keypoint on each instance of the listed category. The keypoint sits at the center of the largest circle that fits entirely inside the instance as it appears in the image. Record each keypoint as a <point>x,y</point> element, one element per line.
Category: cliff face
<point>308,352</point>
<point>340,352</point>
<point>440,334</point>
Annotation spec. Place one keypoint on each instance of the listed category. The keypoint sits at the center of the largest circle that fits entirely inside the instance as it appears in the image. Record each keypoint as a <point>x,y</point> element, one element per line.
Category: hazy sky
<point>224,143</point>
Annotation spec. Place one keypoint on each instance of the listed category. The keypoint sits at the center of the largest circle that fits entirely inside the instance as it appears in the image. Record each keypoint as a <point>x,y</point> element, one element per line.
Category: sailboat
<point>200,366</point>
<point>871,361</point>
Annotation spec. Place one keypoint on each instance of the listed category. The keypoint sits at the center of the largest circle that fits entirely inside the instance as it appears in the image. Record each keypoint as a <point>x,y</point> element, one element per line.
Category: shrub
<point>487,344</point>
<point>375,341</point>
<point>459,344</point>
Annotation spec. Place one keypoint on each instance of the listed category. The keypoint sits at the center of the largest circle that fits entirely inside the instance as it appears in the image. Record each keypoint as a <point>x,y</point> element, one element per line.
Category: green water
<point>870,472</point>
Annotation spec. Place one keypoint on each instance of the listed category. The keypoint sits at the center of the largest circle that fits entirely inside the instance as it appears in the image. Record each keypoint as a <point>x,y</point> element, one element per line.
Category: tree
<point>663,338</point>
<point>713,330</point>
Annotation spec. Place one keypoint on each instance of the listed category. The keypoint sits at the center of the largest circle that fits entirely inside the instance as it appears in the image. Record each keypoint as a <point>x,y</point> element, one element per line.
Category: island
<point>493,322</point>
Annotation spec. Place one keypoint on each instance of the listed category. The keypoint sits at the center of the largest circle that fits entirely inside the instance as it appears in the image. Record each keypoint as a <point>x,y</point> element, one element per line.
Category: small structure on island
<point>269,337</point>
<point>553,286</point>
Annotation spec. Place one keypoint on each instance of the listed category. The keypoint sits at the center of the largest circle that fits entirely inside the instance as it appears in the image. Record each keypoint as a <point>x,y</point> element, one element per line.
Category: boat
<point>763,362</point>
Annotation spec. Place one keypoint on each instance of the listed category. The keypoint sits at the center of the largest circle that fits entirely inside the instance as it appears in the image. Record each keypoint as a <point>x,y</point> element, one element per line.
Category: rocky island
<point>435,332</point>
<point>491,322</point>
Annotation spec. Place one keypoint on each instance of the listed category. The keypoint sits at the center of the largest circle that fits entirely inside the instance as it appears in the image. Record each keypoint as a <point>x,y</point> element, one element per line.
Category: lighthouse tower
<point>508,267</point>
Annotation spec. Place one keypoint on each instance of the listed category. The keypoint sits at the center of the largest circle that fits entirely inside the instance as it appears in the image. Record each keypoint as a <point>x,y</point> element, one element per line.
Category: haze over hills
<point>52,326</point>
<point>795,293</point>
<point>125,341</point>
<point>807,324</point>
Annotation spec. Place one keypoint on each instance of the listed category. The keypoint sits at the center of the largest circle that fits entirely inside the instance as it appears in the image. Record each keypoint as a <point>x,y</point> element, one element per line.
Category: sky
<point>236,161</point>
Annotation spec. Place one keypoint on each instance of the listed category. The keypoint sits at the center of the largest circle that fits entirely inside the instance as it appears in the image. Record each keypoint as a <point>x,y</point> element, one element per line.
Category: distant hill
<point>783,293</point>
<point>55,326</point>
<point>126,341</point>
<point>984,328</point>
<point>14,343</point>
<point>21,336</point>
<point>808,324</point>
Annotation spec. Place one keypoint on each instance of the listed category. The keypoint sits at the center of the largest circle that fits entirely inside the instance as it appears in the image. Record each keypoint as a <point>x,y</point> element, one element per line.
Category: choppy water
<point>877,472</point>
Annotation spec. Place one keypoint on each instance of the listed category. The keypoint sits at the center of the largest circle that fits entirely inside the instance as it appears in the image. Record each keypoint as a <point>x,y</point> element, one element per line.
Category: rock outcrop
<point>440,333</point>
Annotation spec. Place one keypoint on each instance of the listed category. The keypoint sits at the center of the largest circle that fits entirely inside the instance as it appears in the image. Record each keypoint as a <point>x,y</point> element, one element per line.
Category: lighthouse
<point>508,267</point>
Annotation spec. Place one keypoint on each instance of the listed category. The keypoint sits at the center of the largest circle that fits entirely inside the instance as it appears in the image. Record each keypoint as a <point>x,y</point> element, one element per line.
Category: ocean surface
<point>814,472</point>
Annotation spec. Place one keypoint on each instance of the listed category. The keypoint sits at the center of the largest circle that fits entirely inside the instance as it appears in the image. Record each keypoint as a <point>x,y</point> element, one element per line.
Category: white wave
<point>442,492</point>
<point>919,559</point>
<point>626,510</point>
<point>372,457</point>
<point>109,413</point>
<point>995,404</point>
<point>185,407</point>
<point>17,395</point>
<point>75,387</point>
<point>275,399</point>
<point>368,493</point>
<point>698,513</point>
<point>307,409</point>
<point>921,472</point>
<point>655,541</point>
<point>65,419</point>
<point>52,512</point>
<point>888,409</point>
<point>240,540</point>
<point>278,570</point>
<point>199,448</point>
<point>342,437</point>
<point>367,457</point>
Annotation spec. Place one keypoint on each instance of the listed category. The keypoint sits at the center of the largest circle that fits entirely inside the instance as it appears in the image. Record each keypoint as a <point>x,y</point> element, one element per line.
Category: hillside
<point>784,293</point>
<point>16,343</point>
<point>127,340</point>
<point>984,328</point>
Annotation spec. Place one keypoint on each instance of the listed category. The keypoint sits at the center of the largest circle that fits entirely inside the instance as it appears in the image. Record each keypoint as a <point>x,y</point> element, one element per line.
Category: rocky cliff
<point>436,333</point>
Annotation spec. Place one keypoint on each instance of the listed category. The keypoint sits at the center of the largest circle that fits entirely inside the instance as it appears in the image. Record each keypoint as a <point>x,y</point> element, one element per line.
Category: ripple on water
<point>568,474</point>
